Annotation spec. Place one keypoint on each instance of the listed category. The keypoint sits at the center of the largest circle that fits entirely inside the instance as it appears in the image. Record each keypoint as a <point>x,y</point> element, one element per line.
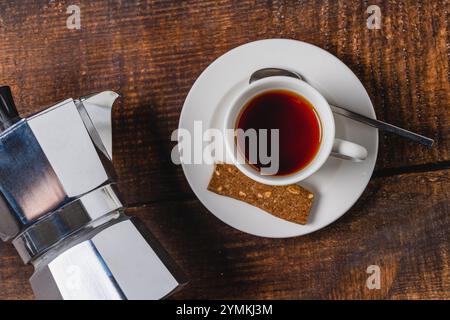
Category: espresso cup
<point>328,145</point>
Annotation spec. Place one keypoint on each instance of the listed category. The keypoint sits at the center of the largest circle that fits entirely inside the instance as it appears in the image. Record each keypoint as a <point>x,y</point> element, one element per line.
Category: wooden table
<point>151,53</point>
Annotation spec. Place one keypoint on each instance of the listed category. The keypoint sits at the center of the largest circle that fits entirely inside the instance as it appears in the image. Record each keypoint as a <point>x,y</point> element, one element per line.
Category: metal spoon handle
<point>270,72</point>
<point>383,125</point>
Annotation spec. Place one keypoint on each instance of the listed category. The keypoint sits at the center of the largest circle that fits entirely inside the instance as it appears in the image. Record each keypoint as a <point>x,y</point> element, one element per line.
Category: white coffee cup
<point>328,144</point>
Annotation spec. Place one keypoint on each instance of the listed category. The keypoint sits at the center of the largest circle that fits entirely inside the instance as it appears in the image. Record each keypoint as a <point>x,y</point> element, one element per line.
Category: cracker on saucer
<point>292,202</point>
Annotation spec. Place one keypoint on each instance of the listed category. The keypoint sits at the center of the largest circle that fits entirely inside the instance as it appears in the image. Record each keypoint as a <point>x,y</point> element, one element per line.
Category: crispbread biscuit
<point>291,202</point>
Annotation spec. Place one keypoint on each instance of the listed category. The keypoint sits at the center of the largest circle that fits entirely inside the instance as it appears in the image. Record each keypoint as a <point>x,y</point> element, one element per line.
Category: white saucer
<point>337,185</point>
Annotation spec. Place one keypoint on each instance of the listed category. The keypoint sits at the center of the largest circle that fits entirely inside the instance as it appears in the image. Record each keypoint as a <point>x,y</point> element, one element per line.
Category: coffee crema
<point>296,119</point>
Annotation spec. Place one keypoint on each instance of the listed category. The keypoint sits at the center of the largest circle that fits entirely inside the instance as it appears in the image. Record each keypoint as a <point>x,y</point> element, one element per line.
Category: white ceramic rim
<point>281,53</point>
<point>299,87</point>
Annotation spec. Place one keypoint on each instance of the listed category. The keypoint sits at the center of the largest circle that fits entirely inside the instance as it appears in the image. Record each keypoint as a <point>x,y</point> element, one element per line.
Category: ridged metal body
<point>60,207</point>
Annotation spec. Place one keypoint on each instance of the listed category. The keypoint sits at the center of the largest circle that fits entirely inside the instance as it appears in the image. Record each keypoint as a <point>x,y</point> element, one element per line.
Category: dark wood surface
<point>151,53</point>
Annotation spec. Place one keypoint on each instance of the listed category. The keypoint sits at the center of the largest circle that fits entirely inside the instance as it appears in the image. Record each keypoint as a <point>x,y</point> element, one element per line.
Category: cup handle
<point>348,150</point>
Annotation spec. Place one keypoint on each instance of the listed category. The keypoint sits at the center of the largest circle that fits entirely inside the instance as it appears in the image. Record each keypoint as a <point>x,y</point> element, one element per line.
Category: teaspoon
<point>270,72</point>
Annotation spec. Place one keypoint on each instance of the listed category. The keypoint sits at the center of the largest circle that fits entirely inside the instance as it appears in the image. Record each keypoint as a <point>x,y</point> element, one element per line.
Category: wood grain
<point>151,52</point>
<point>401,224</point>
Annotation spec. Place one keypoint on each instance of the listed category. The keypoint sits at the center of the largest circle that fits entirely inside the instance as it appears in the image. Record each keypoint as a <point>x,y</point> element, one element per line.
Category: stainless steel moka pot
<point>60,207</point>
